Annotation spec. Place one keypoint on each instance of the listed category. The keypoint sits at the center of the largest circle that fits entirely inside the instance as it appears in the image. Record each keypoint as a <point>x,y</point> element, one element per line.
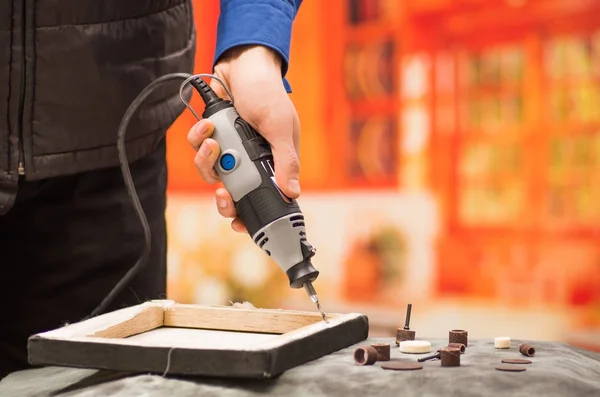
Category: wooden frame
<point>207,340</point>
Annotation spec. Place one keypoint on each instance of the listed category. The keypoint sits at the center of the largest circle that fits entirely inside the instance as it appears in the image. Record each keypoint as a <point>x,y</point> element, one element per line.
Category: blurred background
<point>450,159</point>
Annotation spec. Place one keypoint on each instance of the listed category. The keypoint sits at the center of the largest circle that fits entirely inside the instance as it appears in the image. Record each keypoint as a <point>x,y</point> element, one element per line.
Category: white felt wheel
<point>415,346</point>
<point>502,342</point>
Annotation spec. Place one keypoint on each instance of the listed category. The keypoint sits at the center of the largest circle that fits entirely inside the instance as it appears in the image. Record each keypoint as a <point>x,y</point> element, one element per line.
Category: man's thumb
<point>287,170</point>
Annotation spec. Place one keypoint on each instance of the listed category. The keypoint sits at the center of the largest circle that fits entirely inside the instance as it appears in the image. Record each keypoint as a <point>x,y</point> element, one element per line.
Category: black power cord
<point>141,262</point>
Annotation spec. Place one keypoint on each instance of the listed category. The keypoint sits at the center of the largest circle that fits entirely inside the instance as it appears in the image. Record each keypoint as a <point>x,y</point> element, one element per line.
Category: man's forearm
<point>257,22</point>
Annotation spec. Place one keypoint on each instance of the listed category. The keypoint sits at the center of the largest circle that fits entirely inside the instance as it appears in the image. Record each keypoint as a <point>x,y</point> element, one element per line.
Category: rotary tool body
<point>245,166</point>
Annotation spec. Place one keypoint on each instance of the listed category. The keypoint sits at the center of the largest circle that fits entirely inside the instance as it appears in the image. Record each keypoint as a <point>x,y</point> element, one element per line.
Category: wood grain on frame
<point>234,319</point>
<point>144,321</point>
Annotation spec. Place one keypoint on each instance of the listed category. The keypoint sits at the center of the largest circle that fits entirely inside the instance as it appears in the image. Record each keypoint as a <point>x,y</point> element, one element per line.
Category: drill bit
<point>310,290</point>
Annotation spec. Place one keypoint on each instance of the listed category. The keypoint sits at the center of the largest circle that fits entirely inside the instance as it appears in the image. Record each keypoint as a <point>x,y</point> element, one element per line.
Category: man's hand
<point>253,75</point>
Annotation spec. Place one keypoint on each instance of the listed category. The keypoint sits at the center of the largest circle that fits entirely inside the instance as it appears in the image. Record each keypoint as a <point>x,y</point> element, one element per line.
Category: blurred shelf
<point>379,105</point>
<point>483,319</point>
<point>369,31</point>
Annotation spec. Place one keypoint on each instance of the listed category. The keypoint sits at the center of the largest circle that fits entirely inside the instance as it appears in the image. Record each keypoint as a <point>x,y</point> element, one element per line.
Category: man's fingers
<point>206,158</point>
<point>238,226</point>
<point>199,132</point>
<point>225,203</point>
<point>281,127</point>
<point>287,170</point>
<point>227,209</point>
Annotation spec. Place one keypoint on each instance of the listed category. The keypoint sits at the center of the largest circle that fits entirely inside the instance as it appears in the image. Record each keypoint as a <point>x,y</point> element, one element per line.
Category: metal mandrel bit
<point>407,321</point>
<point>310,290</point>
<point>432,357</point>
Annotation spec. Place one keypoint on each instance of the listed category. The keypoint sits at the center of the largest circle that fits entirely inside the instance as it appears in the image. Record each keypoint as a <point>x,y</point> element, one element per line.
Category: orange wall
<point>180,156</point>
<point>307,82</point>
<point>309,86</point>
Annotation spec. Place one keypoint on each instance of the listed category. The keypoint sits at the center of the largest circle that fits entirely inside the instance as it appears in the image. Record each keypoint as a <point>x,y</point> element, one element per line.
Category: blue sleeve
<point>259,22</point>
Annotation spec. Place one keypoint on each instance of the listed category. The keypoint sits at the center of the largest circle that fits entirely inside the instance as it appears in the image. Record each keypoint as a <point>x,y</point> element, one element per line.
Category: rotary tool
<point>246,168</point>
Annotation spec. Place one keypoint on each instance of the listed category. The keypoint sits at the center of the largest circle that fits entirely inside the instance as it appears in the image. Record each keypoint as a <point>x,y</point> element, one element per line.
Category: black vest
<point>68,71</point>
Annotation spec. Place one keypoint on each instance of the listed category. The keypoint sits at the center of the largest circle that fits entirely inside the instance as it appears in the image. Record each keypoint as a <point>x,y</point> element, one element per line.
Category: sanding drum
<point>459,346</point>
<point>527,350</point>
<point>369,355</point>
<point>366,355</point>
<point>450,356</point>
<point>404,334</point>
<point>459,336</point>
<point>383,351</point>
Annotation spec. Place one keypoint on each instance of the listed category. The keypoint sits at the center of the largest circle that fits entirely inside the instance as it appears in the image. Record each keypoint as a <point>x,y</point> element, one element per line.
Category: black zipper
<point>22,91</point>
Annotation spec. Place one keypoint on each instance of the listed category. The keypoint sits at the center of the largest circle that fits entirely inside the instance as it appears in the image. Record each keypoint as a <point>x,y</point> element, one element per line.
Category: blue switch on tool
<point>227,161</point>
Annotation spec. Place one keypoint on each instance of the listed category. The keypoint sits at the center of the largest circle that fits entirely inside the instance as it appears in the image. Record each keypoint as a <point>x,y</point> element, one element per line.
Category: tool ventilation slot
<point>261,235</point>
<point>297,218</point>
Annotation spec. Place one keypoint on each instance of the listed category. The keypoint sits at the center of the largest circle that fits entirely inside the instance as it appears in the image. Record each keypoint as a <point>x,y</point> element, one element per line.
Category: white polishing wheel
<point>415,346</point>
<point>502,342</point>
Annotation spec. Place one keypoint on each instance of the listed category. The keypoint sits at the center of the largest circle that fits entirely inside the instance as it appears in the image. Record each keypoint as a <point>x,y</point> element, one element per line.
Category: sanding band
<point>502,342</point>
<point>404,334</point>
<point>459,336</point>
<point>365,355</point>
<point>383,351</point>
<point>527,350</point>
<point>450,357</point>
<point>459,346</point>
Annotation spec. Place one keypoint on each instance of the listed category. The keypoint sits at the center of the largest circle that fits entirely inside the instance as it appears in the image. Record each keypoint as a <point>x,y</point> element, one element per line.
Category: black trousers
<point>66,243</point>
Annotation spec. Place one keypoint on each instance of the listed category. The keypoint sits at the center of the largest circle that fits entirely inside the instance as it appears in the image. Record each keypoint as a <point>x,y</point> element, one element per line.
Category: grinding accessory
<point>383,351</point>
<point>432,357</point>
<point>502,342</point>
<point>450,357</point>
<point>459,336</point>
<point>527,350</point>
<point>510,368</point>
<point>365,355</point>
<point>460,346</point>
<point>403,334</point>
<point>516,361</point>
<point>401,366</point>
<point>415,346</point>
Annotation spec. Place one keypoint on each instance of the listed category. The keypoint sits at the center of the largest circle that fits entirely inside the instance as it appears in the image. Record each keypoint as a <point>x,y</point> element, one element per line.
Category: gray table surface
<point>558,369</point>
